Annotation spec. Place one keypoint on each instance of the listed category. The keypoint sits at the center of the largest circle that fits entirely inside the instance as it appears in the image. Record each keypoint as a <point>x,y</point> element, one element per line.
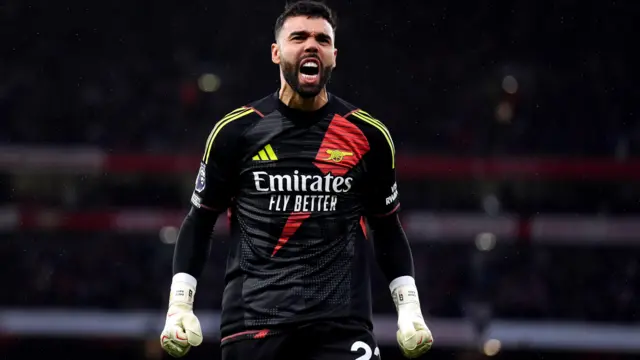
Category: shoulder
<point>237,121</point>
<point>364,120</point>
<point>264,106</point>
<point>375,130</point>
<point>232,125</point>
<point>228,130</point>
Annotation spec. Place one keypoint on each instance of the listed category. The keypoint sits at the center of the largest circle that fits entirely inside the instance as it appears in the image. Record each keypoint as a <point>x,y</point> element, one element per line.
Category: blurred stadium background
<point>518,143</point>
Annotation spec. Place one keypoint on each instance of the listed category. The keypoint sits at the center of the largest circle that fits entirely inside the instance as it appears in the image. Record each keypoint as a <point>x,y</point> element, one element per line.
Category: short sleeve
<point>381,194</point>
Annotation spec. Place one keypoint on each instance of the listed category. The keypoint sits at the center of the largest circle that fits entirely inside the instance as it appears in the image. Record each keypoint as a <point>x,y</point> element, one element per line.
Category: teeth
<point>310,64</point>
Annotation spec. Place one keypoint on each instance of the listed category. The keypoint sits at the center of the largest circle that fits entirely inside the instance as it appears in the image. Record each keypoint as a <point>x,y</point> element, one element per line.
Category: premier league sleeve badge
<point>201,181</point>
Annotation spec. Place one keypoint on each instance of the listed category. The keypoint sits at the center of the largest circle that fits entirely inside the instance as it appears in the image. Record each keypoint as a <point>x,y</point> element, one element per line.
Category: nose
<point>311,46</point>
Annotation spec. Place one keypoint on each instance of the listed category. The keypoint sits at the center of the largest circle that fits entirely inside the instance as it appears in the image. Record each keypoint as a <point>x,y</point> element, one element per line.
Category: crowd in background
<point>467,79</point>
<point>461,79</point>
<point>123,272</point>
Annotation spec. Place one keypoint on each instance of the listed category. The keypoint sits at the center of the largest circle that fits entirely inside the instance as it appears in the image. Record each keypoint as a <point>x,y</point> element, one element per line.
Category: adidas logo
<point>266,154</point>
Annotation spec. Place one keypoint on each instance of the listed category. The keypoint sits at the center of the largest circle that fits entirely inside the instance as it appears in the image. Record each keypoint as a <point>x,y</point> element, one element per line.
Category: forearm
<point>392,249</point>
<point>194,242</point>
<point>182,328</point>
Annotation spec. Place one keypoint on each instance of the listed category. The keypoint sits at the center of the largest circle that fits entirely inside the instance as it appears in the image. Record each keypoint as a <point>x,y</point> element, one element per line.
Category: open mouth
<point>309,70</point>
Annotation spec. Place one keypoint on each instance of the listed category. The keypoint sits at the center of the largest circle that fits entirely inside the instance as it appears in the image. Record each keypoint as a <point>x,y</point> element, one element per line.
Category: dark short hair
<point>308,8</point>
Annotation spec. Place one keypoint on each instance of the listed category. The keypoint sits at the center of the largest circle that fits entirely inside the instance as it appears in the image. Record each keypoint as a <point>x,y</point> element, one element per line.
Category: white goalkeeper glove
<point>414,337</point>
<point>182,328</point>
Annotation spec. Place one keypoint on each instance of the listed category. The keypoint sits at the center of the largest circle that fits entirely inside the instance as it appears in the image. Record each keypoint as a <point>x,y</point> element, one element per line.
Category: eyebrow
<point>319,35</point>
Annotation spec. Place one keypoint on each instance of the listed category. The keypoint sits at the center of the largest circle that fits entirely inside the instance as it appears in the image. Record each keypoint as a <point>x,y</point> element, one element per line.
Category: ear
<point>275,53</point>
<point>335,58</point>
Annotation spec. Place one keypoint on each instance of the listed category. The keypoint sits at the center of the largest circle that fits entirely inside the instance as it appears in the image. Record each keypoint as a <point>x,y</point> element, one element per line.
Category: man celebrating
<point>299,172</point>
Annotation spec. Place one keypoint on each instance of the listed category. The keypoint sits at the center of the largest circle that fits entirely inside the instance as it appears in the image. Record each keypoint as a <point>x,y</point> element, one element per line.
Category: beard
<point>291,73</point>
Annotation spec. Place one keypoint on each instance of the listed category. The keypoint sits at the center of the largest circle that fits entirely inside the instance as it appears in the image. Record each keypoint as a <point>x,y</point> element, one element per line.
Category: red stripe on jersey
<point>349,113</point>
<point>256,110</point>
<point>343,146</point>
<point>290,227</point>
<point>261,334</point>
<point>389,213</point>
<point>363,225</point>
<point>257,334</point>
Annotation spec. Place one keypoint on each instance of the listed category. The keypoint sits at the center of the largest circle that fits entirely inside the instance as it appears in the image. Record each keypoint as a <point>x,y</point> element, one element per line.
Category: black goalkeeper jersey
<point>298,186</point>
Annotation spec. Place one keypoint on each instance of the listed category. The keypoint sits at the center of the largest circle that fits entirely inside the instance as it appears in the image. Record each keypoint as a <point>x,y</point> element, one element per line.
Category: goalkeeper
<point>299,173</point>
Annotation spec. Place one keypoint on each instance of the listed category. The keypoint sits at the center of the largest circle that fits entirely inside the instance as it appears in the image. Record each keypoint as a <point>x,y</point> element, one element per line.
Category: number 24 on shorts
<point>361,345</point>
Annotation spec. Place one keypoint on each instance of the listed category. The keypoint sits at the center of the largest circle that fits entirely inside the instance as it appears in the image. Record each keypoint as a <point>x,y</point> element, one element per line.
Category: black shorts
<point>317,341</point>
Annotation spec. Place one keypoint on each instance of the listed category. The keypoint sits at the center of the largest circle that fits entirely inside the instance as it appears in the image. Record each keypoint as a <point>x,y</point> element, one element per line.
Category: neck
<point>293,100</point>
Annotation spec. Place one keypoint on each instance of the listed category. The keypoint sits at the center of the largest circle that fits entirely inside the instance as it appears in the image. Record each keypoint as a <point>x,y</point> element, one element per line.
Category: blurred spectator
<point>87,270</point>
<point>129,78</point>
